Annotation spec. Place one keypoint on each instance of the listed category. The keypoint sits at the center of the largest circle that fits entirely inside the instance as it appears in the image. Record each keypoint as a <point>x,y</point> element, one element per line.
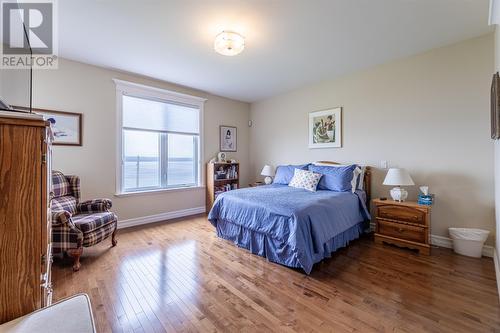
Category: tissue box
<point>426,200</point>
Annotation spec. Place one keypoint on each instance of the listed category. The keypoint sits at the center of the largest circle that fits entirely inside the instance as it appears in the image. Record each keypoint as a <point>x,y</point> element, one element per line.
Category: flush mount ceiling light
<point>229,43</point>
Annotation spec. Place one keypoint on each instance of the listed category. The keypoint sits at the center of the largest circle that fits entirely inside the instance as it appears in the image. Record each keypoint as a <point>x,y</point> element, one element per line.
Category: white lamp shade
<point>267,171</point>
<point>398,177</point>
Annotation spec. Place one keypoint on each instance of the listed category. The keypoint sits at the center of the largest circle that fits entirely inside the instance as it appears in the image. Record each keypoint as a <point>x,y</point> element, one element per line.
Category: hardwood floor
<point>179,276</point>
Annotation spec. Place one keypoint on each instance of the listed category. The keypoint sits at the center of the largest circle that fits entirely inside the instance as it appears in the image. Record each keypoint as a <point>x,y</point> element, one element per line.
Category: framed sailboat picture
<point>66,126</point>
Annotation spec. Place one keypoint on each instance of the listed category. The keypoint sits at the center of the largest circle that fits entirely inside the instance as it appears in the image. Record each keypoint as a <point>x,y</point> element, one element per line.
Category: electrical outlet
<point>383,164</point>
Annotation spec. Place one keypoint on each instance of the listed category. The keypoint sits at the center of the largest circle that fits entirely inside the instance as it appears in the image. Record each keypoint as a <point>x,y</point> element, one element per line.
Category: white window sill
<point>159,191</point>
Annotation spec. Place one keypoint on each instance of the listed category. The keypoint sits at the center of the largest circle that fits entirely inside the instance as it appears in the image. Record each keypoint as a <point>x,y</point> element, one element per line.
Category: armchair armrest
<point>94,206</point>
<point>65,234</point>
<point>62,218</point>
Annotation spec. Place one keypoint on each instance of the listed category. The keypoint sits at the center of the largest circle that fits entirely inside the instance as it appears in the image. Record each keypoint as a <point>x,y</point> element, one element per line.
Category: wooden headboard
<point>367,180</point>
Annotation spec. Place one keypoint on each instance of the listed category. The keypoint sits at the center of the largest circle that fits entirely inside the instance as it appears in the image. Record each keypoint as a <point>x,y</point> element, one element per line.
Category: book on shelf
<point>226,173</point>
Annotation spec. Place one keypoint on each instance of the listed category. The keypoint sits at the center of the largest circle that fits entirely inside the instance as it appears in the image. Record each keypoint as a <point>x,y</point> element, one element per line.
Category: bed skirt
<point>279,251</point>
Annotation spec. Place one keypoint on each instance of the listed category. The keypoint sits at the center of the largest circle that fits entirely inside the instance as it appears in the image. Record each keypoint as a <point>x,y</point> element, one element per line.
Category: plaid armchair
<point>76,224</point>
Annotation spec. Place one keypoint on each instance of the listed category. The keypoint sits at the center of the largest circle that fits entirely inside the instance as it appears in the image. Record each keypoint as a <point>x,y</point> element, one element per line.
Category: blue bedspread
<point>287,225</point>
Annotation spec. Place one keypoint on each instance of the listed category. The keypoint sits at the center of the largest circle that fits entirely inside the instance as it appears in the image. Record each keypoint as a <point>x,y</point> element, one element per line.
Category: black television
<point>16,83</point>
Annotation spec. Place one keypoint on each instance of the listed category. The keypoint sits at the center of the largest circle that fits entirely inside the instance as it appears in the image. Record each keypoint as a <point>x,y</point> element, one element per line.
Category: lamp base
<point>399,194</point>
<point>268,180</point>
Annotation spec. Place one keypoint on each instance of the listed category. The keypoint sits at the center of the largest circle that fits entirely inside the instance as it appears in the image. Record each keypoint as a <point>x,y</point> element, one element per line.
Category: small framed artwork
<point>221,157</point>
<point>325,128</point>
<point>495,107</point>
<point>66,126</point>
<point>228,138</point>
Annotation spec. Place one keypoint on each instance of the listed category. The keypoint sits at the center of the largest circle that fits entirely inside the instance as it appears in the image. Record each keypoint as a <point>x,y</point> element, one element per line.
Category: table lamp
<point>267,171</point>
<point>398,177</point>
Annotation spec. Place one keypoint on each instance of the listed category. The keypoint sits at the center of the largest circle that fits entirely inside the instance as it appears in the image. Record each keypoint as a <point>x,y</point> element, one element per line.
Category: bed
<point>291,226</point>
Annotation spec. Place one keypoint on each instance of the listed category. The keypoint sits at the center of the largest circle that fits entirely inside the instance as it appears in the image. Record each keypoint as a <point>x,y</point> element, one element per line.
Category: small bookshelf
<point>221,177</point>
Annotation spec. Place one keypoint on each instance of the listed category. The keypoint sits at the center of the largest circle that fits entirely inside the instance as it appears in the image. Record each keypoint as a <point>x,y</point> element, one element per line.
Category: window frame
<point>162,95</point>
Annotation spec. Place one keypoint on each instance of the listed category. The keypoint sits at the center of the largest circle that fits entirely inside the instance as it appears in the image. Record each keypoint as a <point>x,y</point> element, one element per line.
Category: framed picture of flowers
<point>325,128</point>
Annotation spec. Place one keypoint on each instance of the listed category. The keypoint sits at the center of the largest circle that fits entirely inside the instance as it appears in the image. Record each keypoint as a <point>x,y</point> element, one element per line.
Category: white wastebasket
<point>468,241</point>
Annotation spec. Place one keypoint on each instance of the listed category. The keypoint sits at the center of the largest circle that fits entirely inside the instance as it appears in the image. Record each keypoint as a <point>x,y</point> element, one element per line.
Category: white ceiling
<point>289,43</point>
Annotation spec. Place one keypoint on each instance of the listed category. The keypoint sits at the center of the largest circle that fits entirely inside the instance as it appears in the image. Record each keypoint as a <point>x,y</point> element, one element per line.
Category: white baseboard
<point>441,241</point>
<point>488,251</point>
<point>497,271</point>
<point>160,217</point>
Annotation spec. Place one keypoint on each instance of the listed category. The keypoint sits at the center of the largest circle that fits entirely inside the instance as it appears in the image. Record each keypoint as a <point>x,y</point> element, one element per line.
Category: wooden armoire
<point>25,249</point>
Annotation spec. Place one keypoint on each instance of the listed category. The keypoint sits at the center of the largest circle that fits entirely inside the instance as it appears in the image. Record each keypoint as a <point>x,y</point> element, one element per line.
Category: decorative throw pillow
<point>305,179</point>
<point>284,173</point>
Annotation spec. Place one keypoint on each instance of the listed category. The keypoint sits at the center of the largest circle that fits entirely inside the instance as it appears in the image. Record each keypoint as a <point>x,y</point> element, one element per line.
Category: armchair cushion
<point>94,206</point>
<point>90,222</point>
<point>60,184</point>
<point>63,185</point>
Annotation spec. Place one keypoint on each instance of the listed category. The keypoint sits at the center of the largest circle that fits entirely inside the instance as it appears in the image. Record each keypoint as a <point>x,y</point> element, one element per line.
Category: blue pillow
<point>336,179</point>
<point>284,173</point>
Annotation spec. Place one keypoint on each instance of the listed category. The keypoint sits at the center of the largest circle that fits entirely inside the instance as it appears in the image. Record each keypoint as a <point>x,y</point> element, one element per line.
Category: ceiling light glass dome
<point>229,43</point>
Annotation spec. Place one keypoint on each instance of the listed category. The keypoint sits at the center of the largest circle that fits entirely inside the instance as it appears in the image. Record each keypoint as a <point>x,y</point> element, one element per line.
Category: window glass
<point>160,144</point>
<point>141,160</point>
<point>182,159</point>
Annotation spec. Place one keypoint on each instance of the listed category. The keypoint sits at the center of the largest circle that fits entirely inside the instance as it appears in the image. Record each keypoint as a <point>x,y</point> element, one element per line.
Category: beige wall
<point>428,113</point>
<point>14,86</point>
<point>77,87</point>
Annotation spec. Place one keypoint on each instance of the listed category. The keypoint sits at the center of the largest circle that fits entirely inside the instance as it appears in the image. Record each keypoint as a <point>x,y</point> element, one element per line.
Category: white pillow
<point>356,173</point>
<point>361,183</point>
<point>305,179</point>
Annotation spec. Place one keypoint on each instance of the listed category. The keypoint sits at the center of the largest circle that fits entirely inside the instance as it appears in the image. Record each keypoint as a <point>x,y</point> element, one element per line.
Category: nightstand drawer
<point>402,231</point>
<point>401,213</point>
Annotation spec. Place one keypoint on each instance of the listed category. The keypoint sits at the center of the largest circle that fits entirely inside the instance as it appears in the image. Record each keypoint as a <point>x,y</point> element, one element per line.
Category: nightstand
<point>256,184</point>
<point>406,224</point>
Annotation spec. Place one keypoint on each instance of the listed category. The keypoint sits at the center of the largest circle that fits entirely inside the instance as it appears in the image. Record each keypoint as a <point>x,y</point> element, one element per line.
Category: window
<point>159,138</point>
